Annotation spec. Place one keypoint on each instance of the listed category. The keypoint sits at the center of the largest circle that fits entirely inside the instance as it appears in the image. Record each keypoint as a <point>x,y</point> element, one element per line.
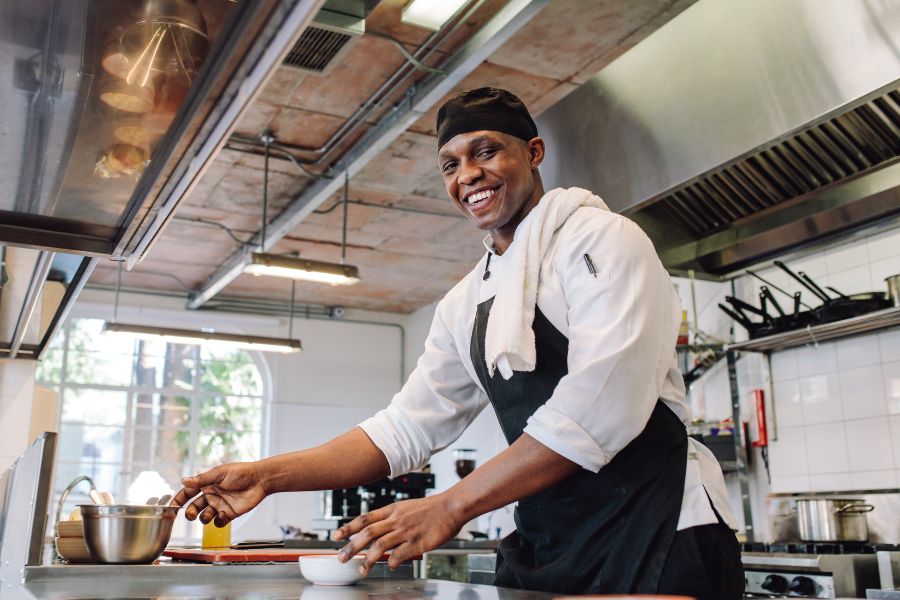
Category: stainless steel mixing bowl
<point>127,534</point>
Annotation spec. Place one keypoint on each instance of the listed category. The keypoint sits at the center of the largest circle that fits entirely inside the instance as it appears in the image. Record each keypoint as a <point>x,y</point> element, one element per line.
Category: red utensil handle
<point>762,436</point>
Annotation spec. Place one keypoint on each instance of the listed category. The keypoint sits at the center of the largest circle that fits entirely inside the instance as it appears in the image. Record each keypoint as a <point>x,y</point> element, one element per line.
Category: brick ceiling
<point>406,259</point>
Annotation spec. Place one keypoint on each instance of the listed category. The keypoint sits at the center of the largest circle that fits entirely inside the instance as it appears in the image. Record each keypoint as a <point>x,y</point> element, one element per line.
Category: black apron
<point>592,533</point>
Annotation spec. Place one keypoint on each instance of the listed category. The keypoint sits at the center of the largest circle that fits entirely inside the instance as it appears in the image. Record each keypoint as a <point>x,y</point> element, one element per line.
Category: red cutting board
<point>227,555</point>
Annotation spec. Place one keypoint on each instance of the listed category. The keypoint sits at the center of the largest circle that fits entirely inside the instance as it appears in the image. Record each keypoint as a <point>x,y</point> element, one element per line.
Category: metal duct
<point>322,43</point>
<point>316,49</point>
<point>740,130</point>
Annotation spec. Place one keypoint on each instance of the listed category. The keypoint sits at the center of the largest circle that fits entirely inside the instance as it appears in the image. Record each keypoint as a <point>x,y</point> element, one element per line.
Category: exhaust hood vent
<point>742,131</point>
<point>841,147</point>
<point>329,36</point>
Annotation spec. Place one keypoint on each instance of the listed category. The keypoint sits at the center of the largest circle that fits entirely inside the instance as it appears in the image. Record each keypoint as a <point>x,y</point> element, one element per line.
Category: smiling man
<point>567,327</point>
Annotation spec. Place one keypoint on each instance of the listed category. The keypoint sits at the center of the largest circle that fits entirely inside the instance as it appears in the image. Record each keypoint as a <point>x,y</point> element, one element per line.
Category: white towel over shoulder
<point>509,340</point>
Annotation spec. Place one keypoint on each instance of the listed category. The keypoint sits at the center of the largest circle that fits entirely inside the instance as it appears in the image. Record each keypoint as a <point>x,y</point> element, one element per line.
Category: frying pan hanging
<point>766,295</point>
<point>767,327</point>
<point>800,280</point>
<point>814,286</point>
<point>746,323</point>
<point>861,296</point>
<point>842,307</point>
<point>742,306</point>
<point>793,297</point>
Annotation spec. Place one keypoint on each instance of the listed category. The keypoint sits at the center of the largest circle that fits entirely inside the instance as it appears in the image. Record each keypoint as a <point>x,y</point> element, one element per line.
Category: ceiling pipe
<point>433,88</point>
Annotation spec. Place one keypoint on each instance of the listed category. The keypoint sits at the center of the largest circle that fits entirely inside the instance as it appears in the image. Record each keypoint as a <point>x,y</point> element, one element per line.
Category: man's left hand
<point>409,528</point>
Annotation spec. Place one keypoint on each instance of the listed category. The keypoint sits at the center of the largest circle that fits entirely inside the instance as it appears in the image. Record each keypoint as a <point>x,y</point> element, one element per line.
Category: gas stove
<point>811,570</point>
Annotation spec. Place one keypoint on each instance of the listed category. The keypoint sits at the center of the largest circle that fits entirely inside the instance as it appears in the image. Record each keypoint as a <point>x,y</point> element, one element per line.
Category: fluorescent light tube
<point>300,268</point>
<point>192,336</point>
<point>430,14</point>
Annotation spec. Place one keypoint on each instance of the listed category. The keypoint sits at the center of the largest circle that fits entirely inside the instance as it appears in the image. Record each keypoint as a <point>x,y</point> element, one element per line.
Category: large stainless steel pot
<point>833,520</point>
<point>893,286</point>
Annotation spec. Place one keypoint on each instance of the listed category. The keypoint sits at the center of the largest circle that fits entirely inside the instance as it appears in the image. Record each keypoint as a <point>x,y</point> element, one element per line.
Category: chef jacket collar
<point>489,244</point>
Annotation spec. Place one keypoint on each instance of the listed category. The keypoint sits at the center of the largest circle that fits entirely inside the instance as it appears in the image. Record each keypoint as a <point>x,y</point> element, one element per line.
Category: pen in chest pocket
<point>590,266</point>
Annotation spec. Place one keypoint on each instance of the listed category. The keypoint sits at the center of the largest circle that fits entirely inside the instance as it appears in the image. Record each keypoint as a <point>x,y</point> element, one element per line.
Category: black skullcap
<point>484,108</point>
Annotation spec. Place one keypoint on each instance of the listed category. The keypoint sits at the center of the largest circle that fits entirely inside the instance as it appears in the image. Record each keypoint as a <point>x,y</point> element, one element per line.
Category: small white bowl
<point>326,569</point>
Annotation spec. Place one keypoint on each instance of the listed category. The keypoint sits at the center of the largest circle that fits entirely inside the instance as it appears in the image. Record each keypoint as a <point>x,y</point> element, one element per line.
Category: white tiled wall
<point>837,416</point>
<point>837,404</point>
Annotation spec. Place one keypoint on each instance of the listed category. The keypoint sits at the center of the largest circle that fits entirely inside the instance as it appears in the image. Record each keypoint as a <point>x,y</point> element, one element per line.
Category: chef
<point>567,327</point>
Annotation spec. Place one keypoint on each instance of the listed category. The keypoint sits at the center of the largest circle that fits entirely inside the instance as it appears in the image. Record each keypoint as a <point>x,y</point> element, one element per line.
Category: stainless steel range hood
<point>742,130</point>
<point>112,111</point>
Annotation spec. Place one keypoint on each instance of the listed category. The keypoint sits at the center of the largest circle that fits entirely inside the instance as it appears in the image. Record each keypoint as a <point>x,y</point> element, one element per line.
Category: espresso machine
<point>339,507</point>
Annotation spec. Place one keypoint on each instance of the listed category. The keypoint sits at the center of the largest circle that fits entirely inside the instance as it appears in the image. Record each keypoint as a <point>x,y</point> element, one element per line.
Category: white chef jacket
<point>621,325</point>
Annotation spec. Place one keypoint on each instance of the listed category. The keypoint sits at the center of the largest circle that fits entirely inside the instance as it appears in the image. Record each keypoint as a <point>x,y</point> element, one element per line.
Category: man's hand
<point>412,527</point>
<point>226,492</point>
<point>409,528</point>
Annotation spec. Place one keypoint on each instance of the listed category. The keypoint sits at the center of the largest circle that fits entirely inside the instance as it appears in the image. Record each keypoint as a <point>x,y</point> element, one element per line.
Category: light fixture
<point>430,14</point>
<point>194,336</point>
<point>276,265</point>
<point>301,268</point>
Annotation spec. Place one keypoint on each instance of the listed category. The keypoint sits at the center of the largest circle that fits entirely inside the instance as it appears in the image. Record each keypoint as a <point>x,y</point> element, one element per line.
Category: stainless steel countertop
<point>231,582</point>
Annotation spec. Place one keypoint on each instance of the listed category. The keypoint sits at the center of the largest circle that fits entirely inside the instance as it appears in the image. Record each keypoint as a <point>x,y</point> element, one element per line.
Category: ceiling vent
<point>329,36</point>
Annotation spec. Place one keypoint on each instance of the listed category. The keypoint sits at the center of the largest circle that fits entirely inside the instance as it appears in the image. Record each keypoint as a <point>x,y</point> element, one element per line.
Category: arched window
<point>138,415</point>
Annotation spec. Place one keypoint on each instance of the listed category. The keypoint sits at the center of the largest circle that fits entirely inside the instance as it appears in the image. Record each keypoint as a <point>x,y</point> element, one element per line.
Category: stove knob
<point>775,583</point>
<point>803,586</point>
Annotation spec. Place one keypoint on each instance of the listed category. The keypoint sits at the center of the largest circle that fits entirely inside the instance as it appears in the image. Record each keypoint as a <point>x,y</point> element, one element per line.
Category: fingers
<point>403,552</point>
<point>363,538</point>
<point>217,510</point>
<point>221,520</point>
<point>196,507</point>
<point>209,513</point>
<point>192,487</point>
<point>379,548</point>
<point>183,496</point>
<point>209,506</point>
<point>211,477</point>
<point>360,522</point>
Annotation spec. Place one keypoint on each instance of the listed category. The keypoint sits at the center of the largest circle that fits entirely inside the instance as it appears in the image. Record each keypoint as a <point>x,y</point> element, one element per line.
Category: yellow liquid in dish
<point>216,537</point>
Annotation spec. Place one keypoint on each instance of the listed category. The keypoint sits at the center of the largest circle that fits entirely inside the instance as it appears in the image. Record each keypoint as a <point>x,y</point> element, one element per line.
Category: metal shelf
<point>889,317</point>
